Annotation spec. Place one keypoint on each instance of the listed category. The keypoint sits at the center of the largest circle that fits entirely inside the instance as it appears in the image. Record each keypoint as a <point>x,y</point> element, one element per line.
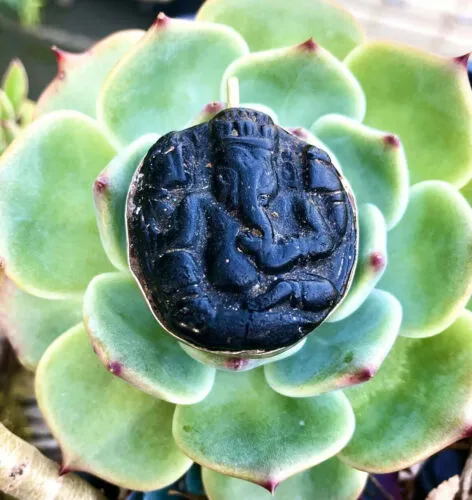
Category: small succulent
<point>124,399</point>
<point>16,110</point>
<point>28,11</point>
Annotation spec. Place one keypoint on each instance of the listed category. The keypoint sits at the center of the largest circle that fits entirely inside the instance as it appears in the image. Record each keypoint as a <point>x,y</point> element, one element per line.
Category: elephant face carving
<point>242,237</point>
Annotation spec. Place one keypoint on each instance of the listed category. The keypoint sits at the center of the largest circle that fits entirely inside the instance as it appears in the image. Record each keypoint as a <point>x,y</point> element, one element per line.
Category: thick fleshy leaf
<point>48,233</point>
<point>165,80</point>
<point>371,261</point>
<point>15,84</point>
<point>268,24</point>
<point>235,363</point>
<point>103,425</point>
<point>6,107</point>
<point>426,100</point>
<point>330,480</point>
<point>31,323</point>
<point>373,162</point>
<point>110,191</point>
<point>340,354</point>
<point>132,345</point>
<point>245,429</point>
<point>467,193</point>
<point>430,259</point>
<point>80,76</point>
<point>419,402</point>
<point>300,83</point>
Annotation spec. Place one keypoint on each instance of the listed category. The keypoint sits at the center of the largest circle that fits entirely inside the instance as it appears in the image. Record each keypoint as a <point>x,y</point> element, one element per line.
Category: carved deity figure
<point>248,233</point>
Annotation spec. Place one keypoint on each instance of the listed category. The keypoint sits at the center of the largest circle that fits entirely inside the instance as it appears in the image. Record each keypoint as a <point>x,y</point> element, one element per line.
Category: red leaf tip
<point>213,107</point>
<point>467,433</point>
<point>101,184</point>
<point>61,56</point>
<point>309,46</point>
<point>299,132</point>
<point>236,364</point>
<point>462,60</point>
<point>115,368</point>
<point>270,485</point>
<point>65,469</point>
<point>377,261</point>
<point>364,374</point>
<point>161,20</point>
<point>392,140</point>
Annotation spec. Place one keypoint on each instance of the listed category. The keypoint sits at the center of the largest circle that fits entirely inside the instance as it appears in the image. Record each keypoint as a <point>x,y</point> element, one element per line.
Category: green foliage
<point>134,412</point>
<point>16,110</point>
<point>28,11</point>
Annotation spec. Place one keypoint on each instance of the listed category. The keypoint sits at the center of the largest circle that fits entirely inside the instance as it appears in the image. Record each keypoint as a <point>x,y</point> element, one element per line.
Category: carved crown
<point>240,126</point>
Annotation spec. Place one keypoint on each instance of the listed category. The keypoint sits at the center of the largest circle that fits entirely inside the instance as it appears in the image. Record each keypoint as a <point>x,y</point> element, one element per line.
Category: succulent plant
<point>16,110</point>
<point>28,11</point>
<point>381,384</point>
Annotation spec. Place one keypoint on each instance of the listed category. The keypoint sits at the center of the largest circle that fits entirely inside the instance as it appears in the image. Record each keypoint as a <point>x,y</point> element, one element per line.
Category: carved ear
<point>321,175</point>
<point>170,165</point>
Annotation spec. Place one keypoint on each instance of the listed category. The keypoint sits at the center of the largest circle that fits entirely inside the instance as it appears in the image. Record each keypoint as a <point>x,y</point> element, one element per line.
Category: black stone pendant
<point>242,237</point>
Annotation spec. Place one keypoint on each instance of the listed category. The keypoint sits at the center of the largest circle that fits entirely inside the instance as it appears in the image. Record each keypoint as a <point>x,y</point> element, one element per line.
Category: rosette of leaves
<point>16,110</point>
<point>384,383</point>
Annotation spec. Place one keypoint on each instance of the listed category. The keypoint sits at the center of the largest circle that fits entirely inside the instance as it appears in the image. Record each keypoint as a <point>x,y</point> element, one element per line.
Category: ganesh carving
<point>242,236</point>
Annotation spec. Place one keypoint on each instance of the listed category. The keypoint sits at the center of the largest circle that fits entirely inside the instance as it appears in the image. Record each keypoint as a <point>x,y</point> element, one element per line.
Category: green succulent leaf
<point>331,480</point>
<point>418,403</point>
<point>31,323</point>
<point>167,77</point>
<point>373,162</point>
<point>371,261</point>
<point>235,363</point>
<point>103,425</point>
<point>430,259</point>
<point>48,233</point>
<point>15,84</point>
<point>288,23</point>
<point>340,354</point>
<point>245,429</point>
<point>27,112</point>
<point>467,193</point>
<point>80,76</point>
<point>423,98</point>
<point>110,192</point>
<point>6,108</point>
<point>11,130</point>
<point>300,83</point>
<point>131,343</point>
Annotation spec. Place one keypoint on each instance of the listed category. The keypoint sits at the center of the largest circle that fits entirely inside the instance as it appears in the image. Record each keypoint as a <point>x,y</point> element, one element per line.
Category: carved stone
<point>242,237</point>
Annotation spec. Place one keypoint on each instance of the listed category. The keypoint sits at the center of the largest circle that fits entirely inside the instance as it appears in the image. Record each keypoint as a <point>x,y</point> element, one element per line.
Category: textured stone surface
<point>242,236</point>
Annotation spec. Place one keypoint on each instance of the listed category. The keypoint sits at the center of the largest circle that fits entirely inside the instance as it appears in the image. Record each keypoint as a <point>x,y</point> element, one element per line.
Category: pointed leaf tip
<point>100,185</point>
<point>392,140</point>
<point>270,485</point>
<point>462,60</point>
<point>309,46</point>
<point>161,20</point>
<point>214,107</point>
<point>377,261</point>
<point>65,469</point>
<point>236,364</point>
<point>115,368</point>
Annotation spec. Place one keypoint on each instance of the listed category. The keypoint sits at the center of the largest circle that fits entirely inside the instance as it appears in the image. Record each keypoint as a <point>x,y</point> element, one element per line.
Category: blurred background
<point>29,27</point>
